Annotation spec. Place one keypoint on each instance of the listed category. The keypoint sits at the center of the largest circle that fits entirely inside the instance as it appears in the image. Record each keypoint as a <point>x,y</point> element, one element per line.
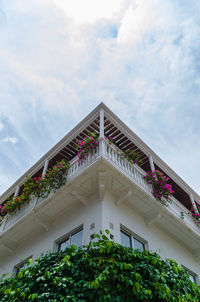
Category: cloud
<point>10,139</point>
<point>1,126</point>
<point>58,62</point>
<point>89,10</point>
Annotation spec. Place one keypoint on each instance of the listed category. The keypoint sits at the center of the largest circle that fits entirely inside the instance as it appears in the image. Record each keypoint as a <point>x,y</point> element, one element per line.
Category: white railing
<point>113,155</point>
<point>176,208</point>
<point>77,167</point>
<point>11,219</point>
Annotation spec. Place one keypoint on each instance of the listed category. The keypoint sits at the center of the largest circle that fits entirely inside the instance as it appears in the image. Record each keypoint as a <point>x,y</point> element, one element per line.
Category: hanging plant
<point>132,156</point>
<point>37,187</point>
<point>56,176</point>
<point>195,215</point>
<point>86,146</point>
<point>109,139</point>
<point>162,190</point>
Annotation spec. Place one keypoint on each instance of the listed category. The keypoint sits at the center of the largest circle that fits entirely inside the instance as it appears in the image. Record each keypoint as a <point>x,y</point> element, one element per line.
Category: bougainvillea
<point>37,187</point>
<point>195,214</point>
<point>109,139</point>
<point>162,190</point>
<point>56,177</point>
<point>103,271</point>
<point>13,204</point>
<point>132,156</point>
<point>87,145</point>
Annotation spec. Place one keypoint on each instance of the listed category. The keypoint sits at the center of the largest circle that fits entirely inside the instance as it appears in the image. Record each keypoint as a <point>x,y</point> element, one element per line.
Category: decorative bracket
<point>80,195</point>
<point>123,196</point>
<point>43,221</point>
<point>101,183</point>
<point>152,217</point>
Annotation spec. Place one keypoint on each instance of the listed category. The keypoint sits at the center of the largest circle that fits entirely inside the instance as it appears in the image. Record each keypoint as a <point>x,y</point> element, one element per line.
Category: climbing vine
<point>103,271</point>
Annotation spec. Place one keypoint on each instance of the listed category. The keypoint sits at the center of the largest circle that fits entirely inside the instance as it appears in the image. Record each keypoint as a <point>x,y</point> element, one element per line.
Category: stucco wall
<point>103,214</point>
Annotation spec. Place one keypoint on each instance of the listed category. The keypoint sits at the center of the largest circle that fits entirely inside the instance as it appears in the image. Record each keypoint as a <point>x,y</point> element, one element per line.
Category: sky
<point>59,59</point>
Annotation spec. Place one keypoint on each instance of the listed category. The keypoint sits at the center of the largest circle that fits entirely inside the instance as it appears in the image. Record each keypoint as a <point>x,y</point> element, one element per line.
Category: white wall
<point>103,214</point>
<point>158,239</point>
<point>42,241</point>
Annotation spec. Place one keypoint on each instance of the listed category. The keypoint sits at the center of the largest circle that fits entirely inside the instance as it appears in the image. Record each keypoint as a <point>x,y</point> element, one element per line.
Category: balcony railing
<point>112,155</point>
<point>135,173</point>
<point>176,208</point>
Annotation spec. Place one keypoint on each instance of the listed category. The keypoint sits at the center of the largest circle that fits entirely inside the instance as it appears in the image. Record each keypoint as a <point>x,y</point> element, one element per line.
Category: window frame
<point>191,273</point>
<point>67,236</point>
<point>17,268</point>
<point>133,236</point>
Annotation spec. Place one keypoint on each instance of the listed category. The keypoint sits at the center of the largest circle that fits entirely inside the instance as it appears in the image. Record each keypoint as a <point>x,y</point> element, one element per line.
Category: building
<point>103,191</point>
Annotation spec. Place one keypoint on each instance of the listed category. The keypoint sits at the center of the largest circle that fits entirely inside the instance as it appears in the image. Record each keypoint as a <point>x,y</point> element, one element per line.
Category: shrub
<point>103,271</point>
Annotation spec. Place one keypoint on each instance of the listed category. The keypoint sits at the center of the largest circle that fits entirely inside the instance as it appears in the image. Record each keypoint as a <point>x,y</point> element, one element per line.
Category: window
<point>74,237</point>
<point>193,277</point>
<point>130,240</point>
<point>22,265</point>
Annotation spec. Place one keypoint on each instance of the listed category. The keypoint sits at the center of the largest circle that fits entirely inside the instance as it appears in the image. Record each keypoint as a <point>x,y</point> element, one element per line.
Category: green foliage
<point>133,157</point>
<point>38,187</point>
<point>182,215</point>
<point>53,180</point>
<point>195,213</point>
<point>103,271</point>
<point>162,190</point>
<point>86,146</point>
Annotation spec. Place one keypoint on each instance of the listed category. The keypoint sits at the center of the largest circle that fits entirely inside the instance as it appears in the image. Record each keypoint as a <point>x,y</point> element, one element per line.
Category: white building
<point>105,191</point>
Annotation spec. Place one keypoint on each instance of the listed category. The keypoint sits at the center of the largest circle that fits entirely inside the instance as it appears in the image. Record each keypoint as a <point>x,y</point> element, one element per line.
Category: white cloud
<point>10,139</point>
<point>59,59</point>
<point>89,10</point>
<point>1,126</point>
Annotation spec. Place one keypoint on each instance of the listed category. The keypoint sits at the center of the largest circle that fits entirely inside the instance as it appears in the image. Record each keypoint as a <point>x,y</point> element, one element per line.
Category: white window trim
<point>66,236</point>
<point>134,236</point>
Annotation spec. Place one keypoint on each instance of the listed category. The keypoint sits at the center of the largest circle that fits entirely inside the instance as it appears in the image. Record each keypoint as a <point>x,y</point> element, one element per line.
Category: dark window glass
<point>138,244</point>
<point>75,238</point>
<point>125,239</point>
<point>129,241</point>
<point>21,266</point>
<point>63,245</point>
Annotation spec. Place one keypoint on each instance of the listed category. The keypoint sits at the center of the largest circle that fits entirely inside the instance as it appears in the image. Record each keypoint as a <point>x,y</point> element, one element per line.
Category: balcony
<point>107,156</point>
<point>100,169</point>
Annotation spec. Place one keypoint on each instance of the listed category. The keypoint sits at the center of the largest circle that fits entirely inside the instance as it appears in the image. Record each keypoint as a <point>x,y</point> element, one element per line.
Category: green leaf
<point>103,271</point>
